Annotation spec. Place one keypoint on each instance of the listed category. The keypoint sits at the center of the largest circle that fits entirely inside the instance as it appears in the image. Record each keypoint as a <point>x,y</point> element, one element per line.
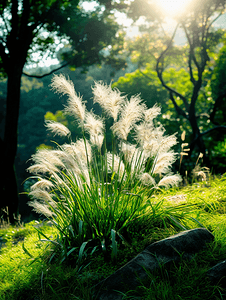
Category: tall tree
<point>197,25</point>
<point>28,26</point>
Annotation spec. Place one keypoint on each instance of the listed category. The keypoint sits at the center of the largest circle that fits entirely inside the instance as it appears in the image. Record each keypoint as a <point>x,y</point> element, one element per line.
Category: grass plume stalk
<point>89,193</point>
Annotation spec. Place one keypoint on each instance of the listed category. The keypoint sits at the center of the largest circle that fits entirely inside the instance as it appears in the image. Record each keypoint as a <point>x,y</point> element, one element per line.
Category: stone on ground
<point>134,273</point>
<point>217,274</point>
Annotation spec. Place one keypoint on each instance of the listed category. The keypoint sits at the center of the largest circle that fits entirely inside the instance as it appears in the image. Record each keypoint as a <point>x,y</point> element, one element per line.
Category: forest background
<point>151,64</point>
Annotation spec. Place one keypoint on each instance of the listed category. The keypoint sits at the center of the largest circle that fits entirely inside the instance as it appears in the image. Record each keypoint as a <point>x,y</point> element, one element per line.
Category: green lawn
<point>25,271</point>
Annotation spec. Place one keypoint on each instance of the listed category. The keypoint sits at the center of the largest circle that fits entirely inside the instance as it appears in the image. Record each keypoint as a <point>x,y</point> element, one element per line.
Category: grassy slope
<point>25,273</point>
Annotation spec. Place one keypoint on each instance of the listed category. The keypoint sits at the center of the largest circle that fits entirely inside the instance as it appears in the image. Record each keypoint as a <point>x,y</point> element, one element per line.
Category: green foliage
<point>57,117</point>
<point>50,23</point>
<point>29,84</point>
<point>179,79</point>
<point>218,77</point>
<point>43,146</point>
<point>218,82</point>
<point>20,260</point>
<point>146,84</point>
<point>146,48</point>
<point>97,28</point>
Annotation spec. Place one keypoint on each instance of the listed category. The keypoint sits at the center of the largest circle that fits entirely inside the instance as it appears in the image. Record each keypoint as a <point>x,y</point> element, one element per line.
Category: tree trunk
<point>9,182</point>
<point>197,139</point>
<point>18,42</point>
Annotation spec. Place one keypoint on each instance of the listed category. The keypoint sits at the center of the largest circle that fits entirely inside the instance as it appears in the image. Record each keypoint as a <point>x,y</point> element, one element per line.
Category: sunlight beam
<point>171,8</point>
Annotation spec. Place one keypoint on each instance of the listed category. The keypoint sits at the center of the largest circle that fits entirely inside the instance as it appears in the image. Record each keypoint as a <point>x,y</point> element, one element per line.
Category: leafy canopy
<point>41,28</point>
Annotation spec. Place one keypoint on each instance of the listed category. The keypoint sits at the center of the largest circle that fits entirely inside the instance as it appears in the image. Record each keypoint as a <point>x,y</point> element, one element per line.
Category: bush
<point>90,194</point>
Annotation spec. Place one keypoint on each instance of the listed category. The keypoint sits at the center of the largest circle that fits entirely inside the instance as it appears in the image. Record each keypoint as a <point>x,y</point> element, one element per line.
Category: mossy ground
<point>25,272</point>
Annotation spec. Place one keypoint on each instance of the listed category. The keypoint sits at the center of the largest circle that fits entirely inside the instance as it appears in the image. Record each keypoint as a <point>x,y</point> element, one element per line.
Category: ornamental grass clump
<point>90,193</point>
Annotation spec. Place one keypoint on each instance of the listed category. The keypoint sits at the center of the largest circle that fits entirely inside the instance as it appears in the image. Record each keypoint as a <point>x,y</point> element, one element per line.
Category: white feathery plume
<point>144,132</point>
<point>161,168</point>
<point>152,113</point>
<point>75,105</point>
<point>93,124</point>
<point>42,184</point>
<point>70,151</point>
<point>97,140</point>
<point>132,112</point>
<point>164,162</point>
<point>109,99</point>
<point>151,148</point>
<point>202,175</point>
<point>41,208</point>
<point>168,142</point>
<point>95,127</point>
<point>48,157</point>
<point>147,179</point>
<point>149,137</point>
<point>150,141</point>
<point>78,151</point>
<point>76,155</point>
<point>57,128</point>
<point>41,194</point>
<point>62,85</point>
<point>42,168</point>
<point>68,161</point>
<point>72,164</point>
<point>171,180</point>
<point>69,148</point>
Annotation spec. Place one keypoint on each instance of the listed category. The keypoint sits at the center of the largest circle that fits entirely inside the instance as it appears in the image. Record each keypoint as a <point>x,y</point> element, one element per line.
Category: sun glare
<point>173,7</point>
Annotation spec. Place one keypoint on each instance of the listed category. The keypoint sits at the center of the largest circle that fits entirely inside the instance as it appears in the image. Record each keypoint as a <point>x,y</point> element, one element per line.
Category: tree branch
<point>160,71</point>
<point>192,79</point>
<point>204,58</point>
<point>169,45</point>
<point>47,74</point>
<point>218,16</point>
<point>178,109</point>
<point>219,128</point>
<point>191,47</point>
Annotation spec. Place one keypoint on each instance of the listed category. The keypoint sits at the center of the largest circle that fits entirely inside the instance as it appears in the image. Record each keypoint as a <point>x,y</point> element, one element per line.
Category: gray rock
<point>184,244</point>
<point>217,274</point>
